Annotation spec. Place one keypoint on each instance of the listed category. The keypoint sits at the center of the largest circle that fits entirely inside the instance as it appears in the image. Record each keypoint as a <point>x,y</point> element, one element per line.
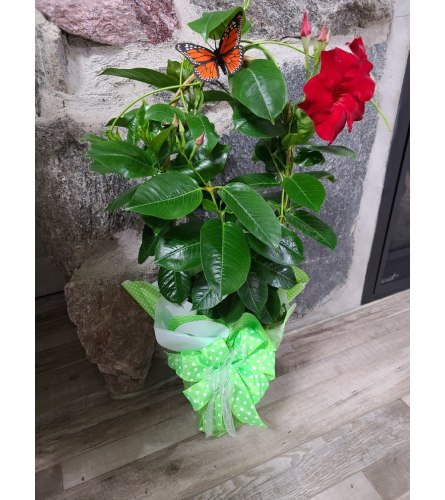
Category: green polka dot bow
<point>225,380</point>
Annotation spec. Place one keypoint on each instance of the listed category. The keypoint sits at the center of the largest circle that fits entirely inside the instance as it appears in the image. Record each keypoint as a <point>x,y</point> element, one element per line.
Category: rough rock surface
<point>116,333</point>
<point>113,22</point>
<point>276,19</point>
<point>70,198</point>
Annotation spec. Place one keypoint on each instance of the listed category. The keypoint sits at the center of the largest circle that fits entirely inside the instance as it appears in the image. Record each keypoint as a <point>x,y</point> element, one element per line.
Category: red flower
<point>337,95</point>
<point>306,29</point>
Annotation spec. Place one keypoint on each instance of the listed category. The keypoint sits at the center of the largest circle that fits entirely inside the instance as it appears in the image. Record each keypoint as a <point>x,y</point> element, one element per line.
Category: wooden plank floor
<point>337,417</point>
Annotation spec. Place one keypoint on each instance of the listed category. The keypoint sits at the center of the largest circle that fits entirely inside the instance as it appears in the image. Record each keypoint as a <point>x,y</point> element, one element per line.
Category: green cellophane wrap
<point>226,368</point>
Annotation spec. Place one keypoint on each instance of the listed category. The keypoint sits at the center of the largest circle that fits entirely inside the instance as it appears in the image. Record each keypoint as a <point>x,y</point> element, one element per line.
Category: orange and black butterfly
<point>228,55</point>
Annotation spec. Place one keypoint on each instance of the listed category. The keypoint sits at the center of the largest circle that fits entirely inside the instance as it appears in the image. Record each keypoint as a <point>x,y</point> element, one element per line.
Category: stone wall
<point>72,100</point>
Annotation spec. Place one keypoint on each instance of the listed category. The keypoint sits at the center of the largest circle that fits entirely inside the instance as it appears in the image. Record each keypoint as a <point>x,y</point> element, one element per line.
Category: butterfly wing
<point>204,60</point>
<point>230,50</point>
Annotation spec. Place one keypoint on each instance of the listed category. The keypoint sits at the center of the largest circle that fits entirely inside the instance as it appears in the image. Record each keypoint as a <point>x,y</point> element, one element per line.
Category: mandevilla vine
<point>243,257</point>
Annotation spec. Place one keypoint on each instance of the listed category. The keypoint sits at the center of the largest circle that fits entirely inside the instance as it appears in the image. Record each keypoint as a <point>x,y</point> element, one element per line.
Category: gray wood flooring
<point>337,417</point>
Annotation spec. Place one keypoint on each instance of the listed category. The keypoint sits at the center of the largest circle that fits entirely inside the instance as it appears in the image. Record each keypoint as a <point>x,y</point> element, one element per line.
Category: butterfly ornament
<point>228,55</point>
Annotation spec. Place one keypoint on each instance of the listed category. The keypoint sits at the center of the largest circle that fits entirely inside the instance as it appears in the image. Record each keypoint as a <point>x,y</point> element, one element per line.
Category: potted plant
<point>227,279</point>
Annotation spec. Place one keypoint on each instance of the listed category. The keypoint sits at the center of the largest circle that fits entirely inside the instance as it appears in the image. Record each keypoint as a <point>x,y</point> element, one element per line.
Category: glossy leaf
<point>119,157</point>
<point>209,206</point>
<point>148,245</point>
<point>225,256</point>
<point>231,308</point>
<point>203,297</point>
<point>253,212</point>
<point>271,310</point>
<point>216,96</point>
<point>122,200</point>
<point>207,166</point>
<point>213,24</point>
<point>158,140</point>
<point>288,253</point>
<point>308,158</point>
<point>261,88</point>
<point>200,124</point>
<point>175,286</point>
<point>257,181</point>
<point>302,129</point>
<point>93,138</point>
<point>179,250</point>
<point>271,153</point>
<point>274,274</point>
<point>334,150</point>
<point>253,293</point>
<point>250,124</point>
<point>145,75</point>
<point>163,113</point>
<point>313,227</point>
<point>322,174</point>
<point>168,196</point>
<point>305,190</point>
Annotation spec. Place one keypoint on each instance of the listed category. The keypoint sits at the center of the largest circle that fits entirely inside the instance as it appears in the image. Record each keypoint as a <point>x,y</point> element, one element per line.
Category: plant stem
<point>377,107</point>
<point>152,92</point>
<point>271,42</point>
<point>184,104</point>
<point>264,51</point>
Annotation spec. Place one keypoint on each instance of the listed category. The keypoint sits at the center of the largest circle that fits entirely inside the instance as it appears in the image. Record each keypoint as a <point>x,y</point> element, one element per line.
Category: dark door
<point>389,263</point>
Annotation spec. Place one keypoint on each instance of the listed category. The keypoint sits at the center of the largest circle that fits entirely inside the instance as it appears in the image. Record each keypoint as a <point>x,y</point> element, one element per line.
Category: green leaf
<point>257,181</point>
<point>308,158</point>
<point>213,24</point>
<point>200,124</point>
<point>249,124</point>
<point>288,253</point>
<point>302,129</point>
<point>305,190</point>
<point>152,233</point>
<point>145,75</point>
<point>203,297</point>
<point>179,250</point>
<point>93,138</point>
<point>261,88</point>
<point>209,206</point>
<point>313,227</point>
<point>175,286</point>
<point>123,158</point>
<point>253,212</point>
<point>148,245</point>
<point>225,256</point>
<point>216,96</point>
<point>274,274</point>
<point>271,153</point>
<point>271,311</point>
<point>159,226</point>
<point>322,174</point>
<point>168,196</point>
<point>231,308</point>
<point>333,150</point>
<point>121,200</point>
<point>158,140</point>
<point>253,293</point>
<point>207,166</point>
<point>163,113</point>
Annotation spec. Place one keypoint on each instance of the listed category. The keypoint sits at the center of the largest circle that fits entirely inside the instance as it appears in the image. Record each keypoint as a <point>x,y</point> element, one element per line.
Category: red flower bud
<point>323,36</point>
<point>200,140</point>
<point>306,29</point>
